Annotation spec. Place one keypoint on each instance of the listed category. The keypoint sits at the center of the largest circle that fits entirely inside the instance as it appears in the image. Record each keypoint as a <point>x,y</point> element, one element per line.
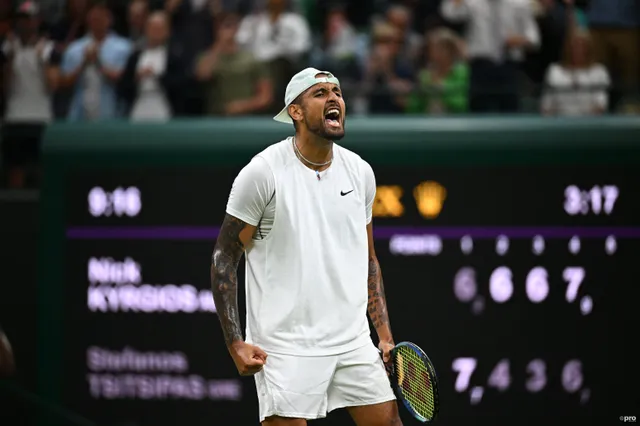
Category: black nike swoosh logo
<point>345,193</point>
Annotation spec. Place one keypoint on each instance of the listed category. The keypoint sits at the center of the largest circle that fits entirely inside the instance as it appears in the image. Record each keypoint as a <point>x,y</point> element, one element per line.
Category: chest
<point>567,79</point>
<point>235,67</point>
<point>155,59</point>
<point>333,204</point>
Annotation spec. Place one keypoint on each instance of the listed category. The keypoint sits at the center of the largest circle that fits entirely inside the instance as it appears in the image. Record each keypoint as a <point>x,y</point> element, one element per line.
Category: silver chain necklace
<point>295,147</point>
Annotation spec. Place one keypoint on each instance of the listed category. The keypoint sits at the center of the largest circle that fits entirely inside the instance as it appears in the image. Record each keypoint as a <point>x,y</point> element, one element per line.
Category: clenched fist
<point>249,359</point>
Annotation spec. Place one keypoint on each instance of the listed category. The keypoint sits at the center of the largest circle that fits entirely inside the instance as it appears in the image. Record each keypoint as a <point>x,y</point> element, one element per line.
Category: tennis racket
<point>414,381</point>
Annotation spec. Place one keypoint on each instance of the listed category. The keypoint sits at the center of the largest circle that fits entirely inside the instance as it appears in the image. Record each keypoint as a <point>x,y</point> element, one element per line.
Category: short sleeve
<point>369,191</point>
<point>251,191</point>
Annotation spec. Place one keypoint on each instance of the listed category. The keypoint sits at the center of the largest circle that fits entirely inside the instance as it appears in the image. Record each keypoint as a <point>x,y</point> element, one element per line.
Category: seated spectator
<point>577,85</point>
<point>388,78</point>
<point>443,84</point>
<point>278,37</point>
<point>137,18</point>
<point>154,76</point>
<point>236,83</point>
<point>30,76</point>
<point>338,48</point>
<point>92,66</point>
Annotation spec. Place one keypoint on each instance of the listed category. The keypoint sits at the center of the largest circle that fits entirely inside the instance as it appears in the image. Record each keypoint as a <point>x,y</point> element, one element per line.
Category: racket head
<point>415,382</point>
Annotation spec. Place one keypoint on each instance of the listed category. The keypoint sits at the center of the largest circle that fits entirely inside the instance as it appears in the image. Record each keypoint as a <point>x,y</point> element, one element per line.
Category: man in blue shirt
<point>92,65</point>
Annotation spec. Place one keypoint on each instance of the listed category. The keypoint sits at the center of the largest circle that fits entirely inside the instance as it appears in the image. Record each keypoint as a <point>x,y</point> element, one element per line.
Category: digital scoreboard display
<point>513,280</point>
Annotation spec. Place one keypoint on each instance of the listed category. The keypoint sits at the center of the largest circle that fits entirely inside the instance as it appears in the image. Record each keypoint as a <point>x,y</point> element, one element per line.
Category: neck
<point>28,39</point>
<point>99,37</point>
<point>314,148</point>
<point>229,48</point>
<point>274,14</point>
<point>443,68</point>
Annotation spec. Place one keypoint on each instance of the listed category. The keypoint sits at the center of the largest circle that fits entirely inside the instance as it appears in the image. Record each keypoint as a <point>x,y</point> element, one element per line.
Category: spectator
<point>236,82</point>
<point>497,36</point>
<point>443,85</point>
<point>400,17</point>
<point>193,27</point>
<point>72,26</point>
<point>30,75</point>
<point>576,86</point>
<point>154,76</point>
<point>388,76</point>
<point>339,47</point>
<point>615,28</point>
<point>554,18</point>
<point>279,38</point>
<point>137,18</point>
<point>92,67</point>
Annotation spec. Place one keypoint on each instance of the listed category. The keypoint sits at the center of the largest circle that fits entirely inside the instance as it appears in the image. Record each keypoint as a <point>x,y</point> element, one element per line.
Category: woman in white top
<point>577,86</point>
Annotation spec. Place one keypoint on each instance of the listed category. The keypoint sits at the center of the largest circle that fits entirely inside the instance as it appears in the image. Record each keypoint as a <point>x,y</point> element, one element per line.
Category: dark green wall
<point>399,141</point>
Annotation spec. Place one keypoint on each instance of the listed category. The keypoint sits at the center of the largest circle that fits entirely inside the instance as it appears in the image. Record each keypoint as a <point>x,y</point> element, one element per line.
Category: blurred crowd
<point>82,60</point>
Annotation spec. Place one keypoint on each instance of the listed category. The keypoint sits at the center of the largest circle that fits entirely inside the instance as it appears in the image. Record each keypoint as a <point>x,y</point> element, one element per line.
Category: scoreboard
<point>507,277</point>
<point>517,280</point>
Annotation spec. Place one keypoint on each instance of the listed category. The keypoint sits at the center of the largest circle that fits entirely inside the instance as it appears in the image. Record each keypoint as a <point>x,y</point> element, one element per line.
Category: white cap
<point>298,84</point>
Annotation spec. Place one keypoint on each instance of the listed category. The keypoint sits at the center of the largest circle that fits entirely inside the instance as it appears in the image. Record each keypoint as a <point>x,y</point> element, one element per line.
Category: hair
<point>448,39</point>
<point>99,4</point>
<point>568,46</point>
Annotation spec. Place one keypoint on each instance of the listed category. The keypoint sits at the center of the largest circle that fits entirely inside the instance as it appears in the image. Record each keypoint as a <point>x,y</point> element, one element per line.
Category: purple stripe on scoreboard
<point>380,232</point>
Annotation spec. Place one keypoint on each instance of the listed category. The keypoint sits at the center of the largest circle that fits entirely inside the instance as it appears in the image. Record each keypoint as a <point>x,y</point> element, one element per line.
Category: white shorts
<point>310,387</point>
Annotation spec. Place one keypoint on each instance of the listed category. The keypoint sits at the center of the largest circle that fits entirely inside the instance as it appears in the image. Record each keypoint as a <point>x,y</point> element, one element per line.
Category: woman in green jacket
<point>443,85</point>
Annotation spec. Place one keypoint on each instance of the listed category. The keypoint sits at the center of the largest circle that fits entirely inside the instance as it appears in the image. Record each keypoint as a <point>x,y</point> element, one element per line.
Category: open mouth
<point>332,117</point>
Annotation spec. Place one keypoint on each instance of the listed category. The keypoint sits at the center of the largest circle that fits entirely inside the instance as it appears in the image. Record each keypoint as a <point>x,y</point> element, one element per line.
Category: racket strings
<point>415,381</point>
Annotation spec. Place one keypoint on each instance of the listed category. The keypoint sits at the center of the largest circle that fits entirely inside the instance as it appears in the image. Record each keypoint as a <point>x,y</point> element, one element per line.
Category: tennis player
<point>301,211</point>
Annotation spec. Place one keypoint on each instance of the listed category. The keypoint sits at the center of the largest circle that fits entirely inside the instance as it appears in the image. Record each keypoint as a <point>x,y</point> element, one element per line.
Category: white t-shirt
<point>288,37</point>
<point>576,92</point>
<point>151,102</point>
<point>307,268</point>
<point>28,98</point>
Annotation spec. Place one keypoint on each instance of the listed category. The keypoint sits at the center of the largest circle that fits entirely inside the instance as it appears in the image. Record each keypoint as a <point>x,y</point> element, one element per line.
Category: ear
<point>295,111</point>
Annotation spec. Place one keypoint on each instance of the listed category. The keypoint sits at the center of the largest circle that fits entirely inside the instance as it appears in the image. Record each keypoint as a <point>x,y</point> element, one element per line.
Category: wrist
<point>235,344</point>
<point>386,338</point>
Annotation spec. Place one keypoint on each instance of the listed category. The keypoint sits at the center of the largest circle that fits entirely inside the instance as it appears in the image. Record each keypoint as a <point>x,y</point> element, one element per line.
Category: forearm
<point>224,285</point>
<point>248,106</point>
<point>377,305</point>
<point>206,66</point>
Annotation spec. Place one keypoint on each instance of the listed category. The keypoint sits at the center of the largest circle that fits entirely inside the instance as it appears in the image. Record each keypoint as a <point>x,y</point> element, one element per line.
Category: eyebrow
<point>324,89</point>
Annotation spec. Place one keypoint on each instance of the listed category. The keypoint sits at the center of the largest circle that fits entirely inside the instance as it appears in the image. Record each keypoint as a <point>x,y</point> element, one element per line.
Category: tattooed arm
<point>377,305</point>
<point>234,236</point>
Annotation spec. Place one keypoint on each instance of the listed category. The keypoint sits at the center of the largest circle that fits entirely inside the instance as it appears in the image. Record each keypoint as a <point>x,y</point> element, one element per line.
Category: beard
<point>321,130</point>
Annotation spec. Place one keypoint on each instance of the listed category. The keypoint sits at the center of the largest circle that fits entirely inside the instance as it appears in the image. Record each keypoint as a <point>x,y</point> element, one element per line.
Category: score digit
<point>596,200</point>
<point>121,202</point>
<point>500,377</point>
<point>465,368</point>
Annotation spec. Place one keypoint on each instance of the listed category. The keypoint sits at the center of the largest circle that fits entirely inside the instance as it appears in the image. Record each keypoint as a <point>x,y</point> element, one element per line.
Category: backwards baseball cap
<point>298,84</point>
